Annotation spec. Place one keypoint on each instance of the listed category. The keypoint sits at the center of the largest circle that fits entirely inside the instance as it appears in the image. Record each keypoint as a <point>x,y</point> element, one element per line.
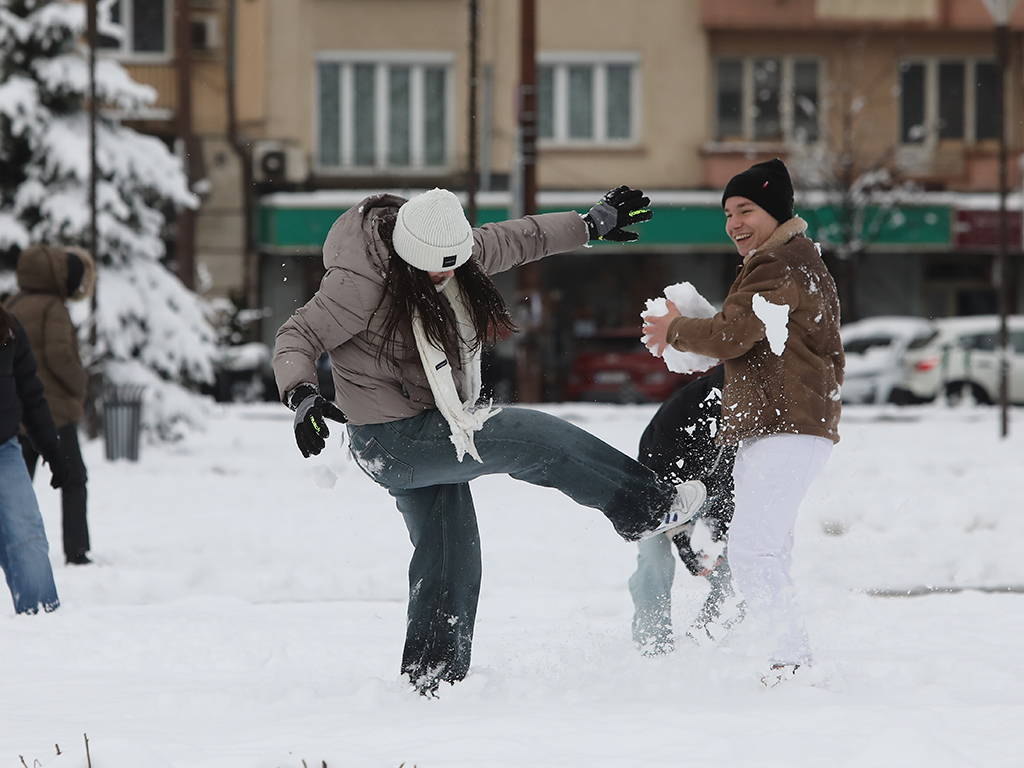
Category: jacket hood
<point>359,225</point>
<point>44,269</point>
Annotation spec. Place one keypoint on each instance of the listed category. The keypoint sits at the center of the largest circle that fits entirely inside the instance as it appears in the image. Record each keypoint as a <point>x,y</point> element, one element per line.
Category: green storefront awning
<point>284,227</point>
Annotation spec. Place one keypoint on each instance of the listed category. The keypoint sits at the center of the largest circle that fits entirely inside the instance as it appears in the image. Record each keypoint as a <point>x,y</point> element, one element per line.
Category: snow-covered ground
<point>243,612</point>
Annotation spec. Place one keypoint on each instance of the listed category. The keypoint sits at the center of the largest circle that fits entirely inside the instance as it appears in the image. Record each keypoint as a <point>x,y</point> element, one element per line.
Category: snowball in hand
<point>690,304</point>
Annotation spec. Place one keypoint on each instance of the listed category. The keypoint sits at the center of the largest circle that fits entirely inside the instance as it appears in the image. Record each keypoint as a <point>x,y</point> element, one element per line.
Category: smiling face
<point>747,224</point>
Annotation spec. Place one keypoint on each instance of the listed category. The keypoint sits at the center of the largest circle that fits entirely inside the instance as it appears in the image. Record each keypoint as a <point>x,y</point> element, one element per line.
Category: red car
<point>613,366</point>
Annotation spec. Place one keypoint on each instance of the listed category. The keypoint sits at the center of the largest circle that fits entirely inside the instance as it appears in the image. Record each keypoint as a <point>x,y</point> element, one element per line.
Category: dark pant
<point>73,494</point>
<point>415,460</point>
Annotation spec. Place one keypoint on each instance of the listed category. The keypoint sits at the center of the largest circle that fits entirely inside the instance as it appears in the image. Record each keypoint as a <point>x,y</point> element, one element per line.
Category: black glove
<point>58,467</point>
<point>619,208</point>
<point>311,412</point>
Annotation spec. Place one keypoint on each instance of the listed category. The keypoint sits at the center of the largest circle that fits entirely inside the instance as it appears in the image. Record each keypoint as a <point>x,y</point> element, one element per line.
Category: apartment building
<point>325,100</point>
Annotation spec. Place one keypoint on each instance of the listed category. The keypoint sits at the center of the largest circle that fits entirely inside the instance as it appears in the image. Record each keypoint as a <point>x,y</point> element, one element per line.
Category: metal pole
<point>186,219</point>
<point>528,104</point>
<point>529,373</point>
<point>92,38</point>
<point>1001,271</point>
<point>472,171</point>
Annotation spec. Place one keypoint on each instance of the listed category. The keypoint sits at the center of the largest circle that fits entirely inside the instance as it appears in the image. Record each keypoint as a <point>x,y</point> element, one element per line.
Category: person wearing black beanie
<point>778,335</point>
<point>767,184</point>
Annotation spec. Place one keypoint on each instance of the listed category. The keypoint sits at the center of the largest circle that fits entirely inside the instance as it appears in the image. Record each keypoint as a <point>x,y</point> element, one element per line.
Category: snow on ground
<point>244,613</point>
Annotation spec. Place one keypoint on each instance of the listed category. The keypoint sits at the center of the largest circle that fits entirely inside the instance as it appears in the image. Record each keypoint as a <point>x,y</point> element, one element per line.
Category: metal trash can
<point>122,420</point>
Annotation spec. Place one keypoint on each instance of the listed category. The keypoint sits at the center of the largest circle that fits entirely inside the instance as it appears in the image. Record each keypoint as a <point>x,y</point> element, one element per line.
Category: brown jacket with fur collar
<point>39,305</point>
<point>791,386</point>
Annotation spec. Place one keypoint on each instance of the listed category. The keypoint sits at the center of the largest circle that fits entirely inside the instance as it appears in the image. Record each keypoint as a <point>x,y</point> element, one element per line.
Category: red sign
<point>979,230</point>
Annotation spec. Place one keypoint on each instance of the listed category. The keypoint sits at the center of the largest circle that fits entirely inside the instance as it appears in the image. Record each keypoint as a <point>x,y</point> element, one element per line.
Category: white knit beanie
<point>432,232</point>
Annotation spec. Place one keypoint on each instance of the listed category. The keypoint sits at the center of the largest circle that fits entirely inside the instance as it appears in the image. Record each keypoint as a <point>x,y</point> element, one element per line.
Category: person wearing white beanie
<point>403,311</point>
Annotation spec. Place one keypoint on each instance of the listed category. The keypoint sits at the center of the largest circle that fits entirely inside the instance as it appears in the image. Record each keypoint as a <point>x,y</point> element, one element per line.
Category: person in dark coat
<point>679,444</point>
<point>47,278</point>
<point>24,551</point>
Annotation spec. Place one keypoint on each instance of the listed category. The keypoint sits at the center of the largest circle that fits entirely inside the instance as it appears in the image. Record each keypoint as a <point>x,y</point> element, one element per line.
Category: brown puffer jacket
<point>341,317</point>
<point>766,393</point>
<point>39,305</point>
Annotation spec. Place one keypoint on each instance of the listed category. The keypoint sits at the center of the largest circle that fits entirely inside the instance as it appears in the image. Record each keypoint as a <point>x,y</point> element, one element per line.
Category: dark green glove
<point>311,413</point>
<point>619,208</point>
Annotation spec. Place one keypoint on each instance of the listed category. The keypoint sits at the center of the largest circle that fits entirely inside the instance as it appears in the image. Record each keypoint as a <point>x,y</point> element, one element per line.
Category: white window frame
<point>787,98</point>
<point>560,61</point>
<point>125,52</point>
<point>418,61</point>
<point>931,98</point>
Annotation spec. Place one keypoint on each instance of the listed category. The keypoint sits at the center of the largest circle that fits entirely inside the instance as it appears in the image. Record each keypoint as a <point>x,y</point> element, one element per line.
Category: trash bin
<point>122,420</point>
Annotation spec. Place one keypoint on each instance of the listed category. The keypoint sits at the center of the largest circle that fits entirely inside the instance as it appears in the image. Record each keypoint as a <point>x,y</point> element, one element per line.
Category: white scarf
<point>463,420</point>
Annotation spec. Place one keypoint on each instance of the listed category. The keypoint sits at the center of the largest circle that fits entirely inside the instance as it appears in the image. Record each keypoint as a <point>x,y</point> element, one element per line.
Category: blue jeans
<point>24,552</point>
<point>415,460</point>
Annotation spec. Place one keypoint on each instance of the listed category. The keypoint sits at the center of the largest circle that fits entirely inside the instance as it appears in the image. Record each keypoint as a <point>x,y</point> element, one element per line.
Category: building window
<point>948,99</point>
<point>133,28</point>
<point>390,113</point>
<point>585,102</point>
<point>770,99</point>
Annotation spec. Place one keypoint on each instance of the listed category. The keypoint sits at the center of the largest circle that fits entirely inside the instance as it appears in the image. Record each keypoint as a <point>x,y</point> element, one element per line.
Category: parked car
<point>613,366</point>
<point>875,348</point>
<point>961,358</point>
<point>243,374</point>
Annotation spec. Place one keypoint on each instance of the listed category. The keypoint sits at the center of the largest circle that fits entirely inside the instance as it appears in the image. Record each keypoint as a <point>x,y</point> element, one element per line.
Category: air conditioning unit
<point>278,162</point>
<point>205,32</point>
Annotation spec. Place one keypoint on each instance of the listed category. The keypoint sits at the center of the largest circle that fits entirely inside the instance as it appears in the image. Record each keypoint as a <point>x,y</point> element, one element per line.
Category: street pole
<point>529,373</point>
<point>92,37</point>
<point>1002,276</point>
<point>185,245</point>
<point>472,172</point>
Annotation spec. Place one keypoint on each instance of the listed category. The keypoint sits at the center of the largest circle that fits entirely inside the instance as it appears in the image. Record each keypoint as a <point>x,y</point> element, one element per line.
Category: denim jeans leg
<point>444,582</point>
<point>651,589</point>
<point>25,552</point>
<point>528,445</point>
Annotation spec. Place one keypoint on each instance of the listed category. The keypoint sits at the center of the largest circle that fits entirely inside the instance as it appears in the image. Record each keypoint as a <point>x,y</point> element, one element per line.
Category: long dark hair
<point>6,327</point>
<point>410,288</point>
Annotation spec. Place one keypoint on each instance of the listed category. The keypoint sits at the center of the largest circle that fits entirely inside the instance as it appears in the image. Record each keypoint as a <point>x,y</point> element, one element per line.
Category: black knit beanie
<point>76,271</point>
<point>768,185</point>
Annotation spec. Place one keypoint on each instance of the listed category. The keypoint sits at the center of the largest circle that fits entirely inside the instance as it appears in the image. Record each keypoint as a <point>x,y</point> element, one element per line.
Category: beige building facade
<point>324,100</point>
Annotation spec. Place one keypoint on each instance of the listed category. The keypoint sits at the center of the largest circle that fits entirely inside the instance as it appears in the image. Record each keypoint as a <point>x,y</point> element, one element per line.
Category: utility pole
<point>1001,11</point>
<point>185,242</point>
<point>1002,265</point>
<point>250,273</point>
<point>92,37</point>
<point>472,171</point>
<point>529,373</point>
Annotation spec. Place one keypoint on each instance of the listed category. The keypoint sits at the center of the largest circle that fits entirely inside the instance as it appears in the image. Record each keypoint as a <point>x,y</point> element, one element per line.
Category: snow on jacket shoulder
<point>791,386</point>
<point>40,306</point>
<point>343,318</point>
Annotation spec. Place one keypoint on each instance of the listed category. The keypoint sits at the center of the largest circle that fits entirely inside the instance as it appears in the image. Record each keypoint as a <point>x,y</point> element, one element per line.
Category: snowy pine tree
<point>150,329</point>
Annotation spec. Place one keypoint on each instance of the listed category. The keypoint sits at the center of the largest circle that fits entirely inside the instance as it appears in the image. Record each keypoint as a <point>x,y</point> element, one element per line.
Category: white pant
<point>772,475</point>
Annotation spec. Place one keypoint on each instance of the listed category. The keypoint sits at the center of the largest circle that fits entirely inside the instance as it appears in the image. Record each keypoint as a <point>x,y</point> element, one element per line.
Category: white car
<point>961,358</point>
<point>874,355</point>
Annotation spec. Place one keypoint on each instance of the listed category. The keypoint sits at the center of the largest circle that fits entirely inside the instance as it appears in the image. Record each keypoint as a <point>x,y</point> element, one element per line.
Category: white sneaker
<point>689,499</point>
